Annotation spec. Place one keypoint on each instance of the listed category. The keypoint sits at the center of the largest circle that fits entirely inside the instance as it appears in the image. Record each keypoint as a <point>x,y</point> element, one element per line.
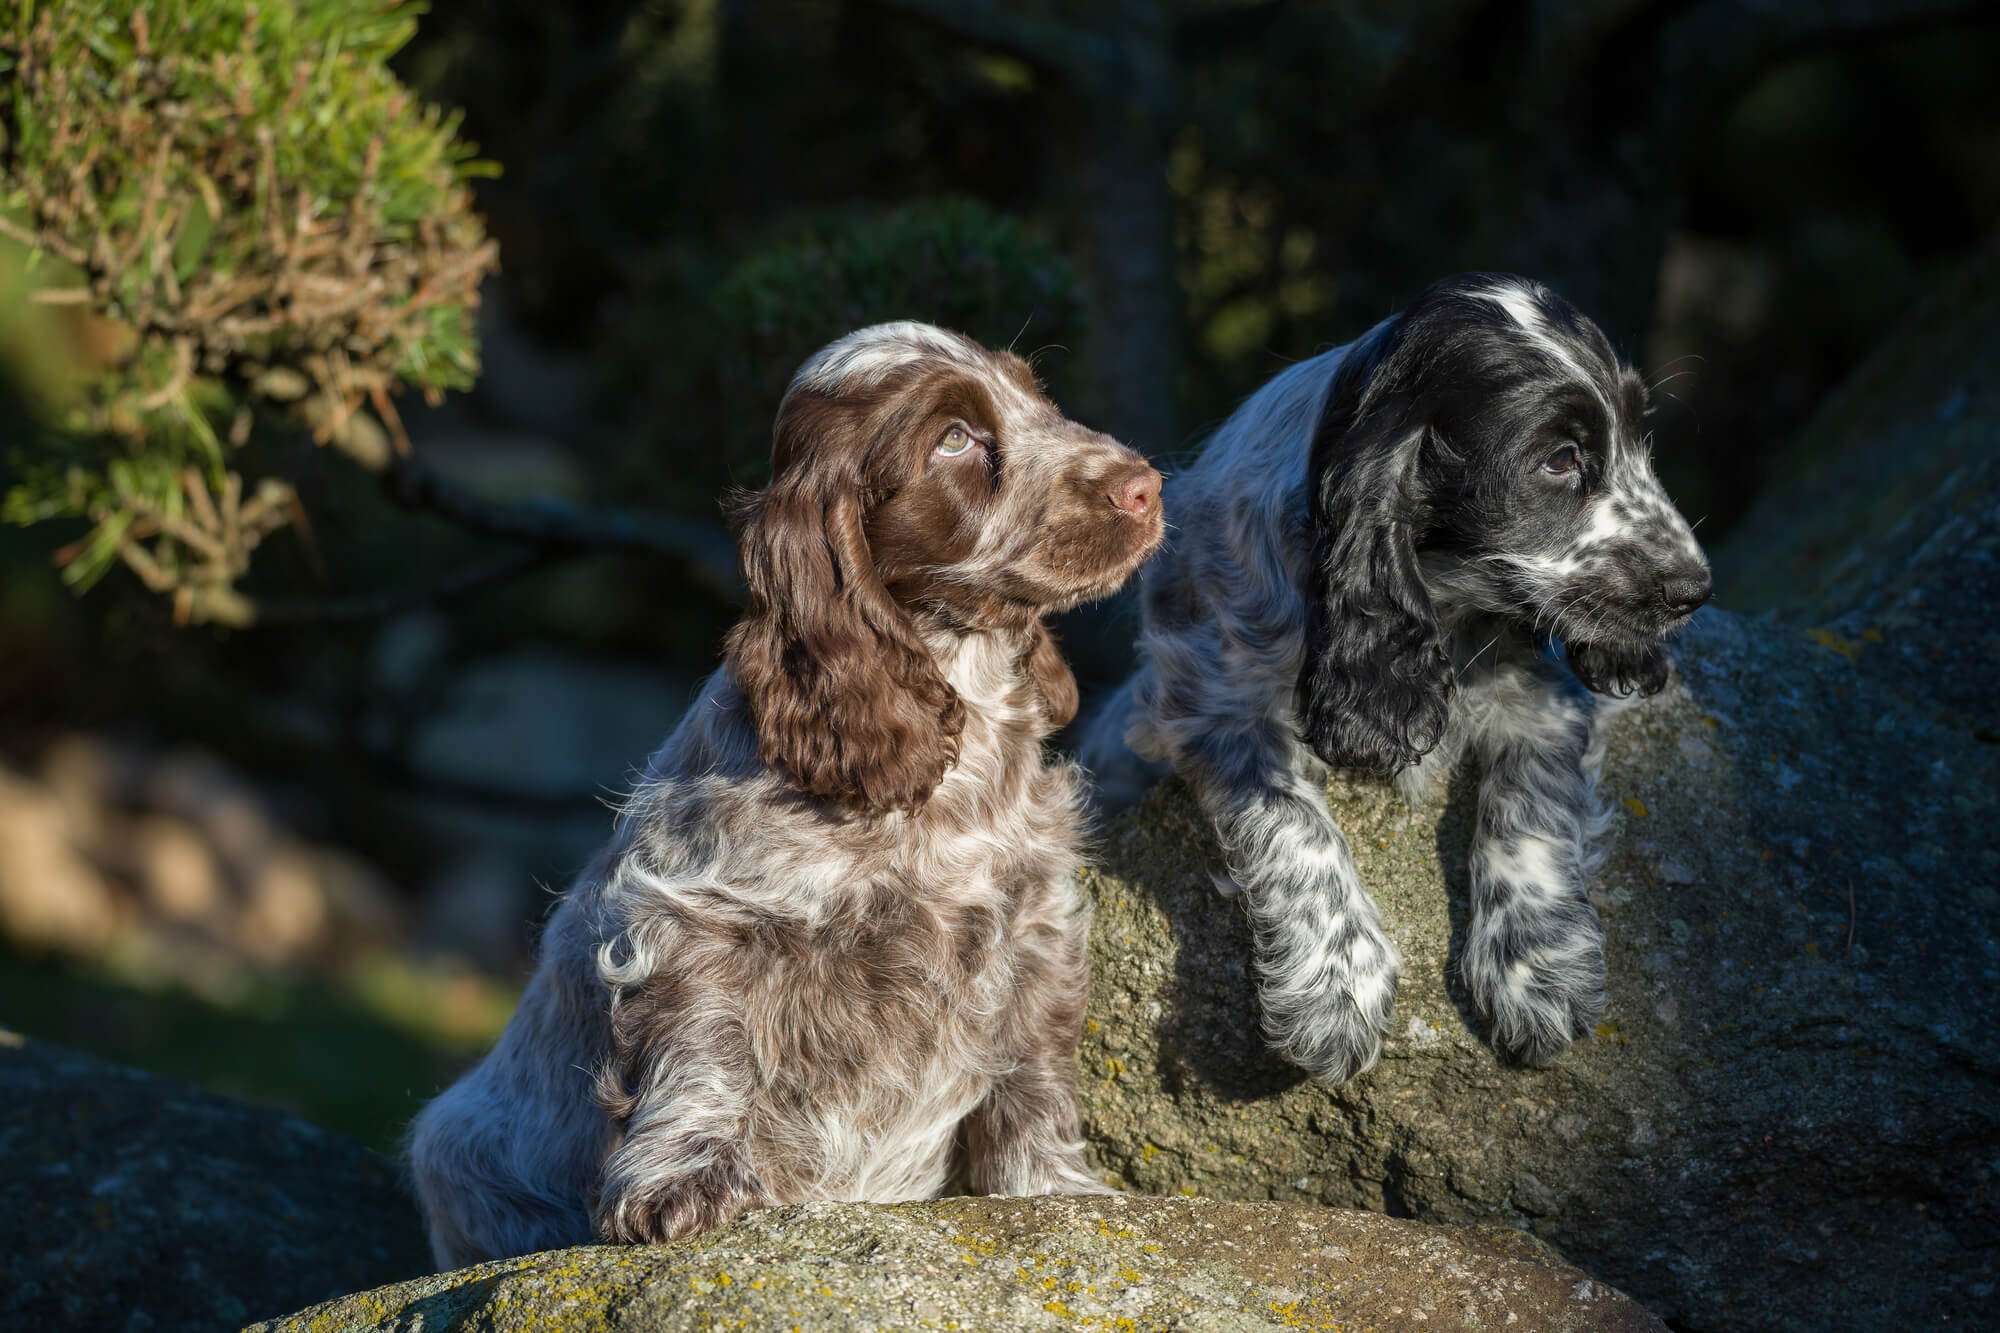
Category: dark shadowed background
<point>287,828</point>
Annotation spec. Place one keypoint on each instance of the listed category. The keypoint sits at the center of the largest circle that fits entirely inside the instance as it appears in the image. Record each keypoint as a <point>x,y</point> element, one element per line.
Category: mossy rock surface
<point>1052,1263</point>
<point>129,1201</point>
<point>1790,1118</point>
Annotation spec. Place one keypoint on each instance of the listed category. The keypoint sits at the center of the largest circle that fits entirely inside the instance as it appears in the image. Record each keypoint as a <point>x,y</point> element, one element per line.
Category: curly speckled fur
<point>834,948</point>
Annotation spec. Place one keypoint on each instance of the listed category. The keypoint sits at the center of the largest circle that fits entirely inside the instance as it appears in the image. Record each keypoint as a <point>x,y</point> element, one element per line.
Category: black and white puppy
<point>1367,567</point>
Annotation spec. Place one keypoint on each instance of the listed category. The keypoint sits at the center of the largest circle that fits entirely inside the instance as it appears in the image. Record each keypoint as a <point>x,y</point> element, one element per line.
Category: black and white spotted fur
<point>1365,570</point>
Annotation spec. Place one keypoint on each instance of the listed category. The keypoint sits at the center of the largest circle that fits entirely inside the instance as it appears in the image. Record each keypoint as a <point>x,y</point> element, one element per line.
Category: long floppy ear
<point>1375,683</point>
<point>1052,677</point>
<point>1619,671</point>
<point>845,697</point>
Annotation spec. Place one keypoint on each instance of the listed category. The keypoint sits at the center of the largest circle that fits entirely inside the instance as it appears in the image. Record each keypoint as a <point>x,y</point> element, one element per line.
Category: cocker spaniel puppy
<point>1367,559</point>
<point>834,949</point>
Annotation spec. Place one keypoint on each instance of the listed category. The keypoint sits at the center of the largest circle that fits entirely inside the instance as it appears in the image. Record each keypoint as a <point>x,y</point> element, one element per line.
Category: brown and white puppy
<point>834,948</point>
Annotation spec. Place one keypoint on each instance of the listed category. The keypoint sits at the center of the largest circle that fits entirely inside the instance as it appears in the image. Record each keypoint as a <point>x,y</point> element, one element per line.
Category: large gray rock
<point>133,1202</point>
<point>1790,1118</point>
<point>1851,498</point>
<point>991,1264</point>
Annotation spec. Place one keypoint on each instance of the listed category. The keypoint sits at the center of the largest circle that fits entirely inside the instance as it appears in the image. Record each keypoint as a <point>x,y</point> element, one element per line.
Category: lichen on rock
<point>1053,1263</point>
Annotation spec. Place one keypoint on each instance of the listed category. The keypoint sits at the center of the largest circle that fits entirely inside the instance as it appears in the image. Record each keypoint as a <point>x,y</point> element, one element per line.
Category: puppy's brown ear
<point>1052,677</point>
<point>845,697</point>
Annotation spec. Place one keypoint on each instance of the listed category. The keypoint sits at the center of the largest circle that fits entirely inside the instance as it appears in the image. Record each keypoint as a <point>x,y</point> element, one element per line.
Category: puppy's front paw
<point>1327,1001</point>
<point>1541,990</point>
<point>658,1212</point>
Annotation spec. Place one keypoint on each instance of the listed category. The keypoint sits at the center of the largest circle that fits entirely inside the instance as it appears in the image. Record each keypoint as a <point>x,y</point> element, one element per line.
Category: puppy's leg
<point>1534,955</point>
<point>484,1156</point>
<point>678,1090</point>
<point>1122,767</point>
<point>503,1159</point>
<point>1025,1137</point>
<point>1326,972</point>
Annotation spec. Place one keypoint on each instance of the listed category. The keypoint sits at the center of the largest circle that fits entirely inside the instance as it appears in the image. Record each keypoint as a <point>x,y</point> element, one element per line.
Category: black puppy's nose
<point>1683,593</point>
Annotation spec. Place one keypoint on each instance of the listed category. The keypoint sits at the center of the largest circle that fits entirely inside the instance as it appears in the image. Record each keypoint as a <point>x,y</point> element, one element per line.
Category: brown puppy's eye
<point>956,443</point>
<point>1563,461</point>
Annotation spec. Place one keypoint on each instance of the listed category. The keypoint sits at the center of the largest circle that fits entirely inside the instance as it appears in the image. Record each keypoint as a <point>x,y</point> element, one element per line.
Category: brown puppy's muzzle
<point>1134,491</point>
<point>1110,519</point>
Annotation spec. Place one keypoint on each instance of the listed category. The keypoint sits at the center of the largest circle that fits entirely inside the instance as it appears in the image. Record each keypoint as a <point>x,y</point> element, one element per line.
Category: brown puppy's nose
<point>1137,491</point>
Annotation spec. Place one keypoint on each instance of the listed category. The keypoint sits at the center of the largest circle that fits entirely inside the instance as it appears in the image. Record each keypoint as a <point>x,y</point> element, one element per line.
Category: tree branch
<point>704,551</point>
<point>1075,55</point>
<point>359,607</point>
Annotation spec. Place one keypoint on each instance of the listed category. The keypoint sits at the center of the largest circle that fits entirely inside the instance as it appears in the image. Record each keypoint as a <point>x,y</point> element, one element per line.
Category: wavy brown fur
<point>835,947</point>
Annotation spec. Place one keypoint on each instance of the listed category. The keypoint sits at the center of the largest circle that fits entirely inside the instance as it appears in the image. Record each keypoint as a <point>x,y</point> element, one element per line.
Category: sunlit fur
<point>834,948</point>
<point>1368,562</point>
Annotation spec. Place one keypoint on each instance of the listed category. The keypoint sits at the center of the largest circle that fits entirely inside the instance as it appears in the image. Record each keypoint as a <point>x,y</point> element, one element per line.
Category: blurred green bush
<point>952,262</point>
<point>248,221</point>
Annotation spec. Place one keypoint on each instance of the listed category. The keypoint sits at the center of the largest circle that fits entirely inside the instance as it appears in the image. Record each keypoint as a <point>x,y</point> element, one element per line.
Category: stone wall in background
<point>177,866</point>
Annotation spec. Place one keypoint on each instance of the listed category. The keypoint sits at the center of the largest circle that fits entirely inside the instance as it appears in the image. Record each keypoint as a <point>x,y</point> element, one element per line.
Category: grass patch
<point>358,1056</point>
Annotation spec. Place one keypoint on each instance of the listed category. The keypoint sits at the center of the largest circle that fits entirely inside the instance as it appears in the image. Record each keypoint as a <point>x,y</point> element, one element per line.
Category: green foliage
<point>246,216</point>
<point>951,262</point>
<point>357,1053</point>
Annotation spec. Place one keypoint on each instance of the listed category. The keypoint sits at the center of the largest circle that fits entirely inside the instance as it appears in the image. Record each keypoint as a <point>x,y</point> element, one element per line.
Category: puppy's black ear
<point>1375,683</point>
<point>1619,671</point>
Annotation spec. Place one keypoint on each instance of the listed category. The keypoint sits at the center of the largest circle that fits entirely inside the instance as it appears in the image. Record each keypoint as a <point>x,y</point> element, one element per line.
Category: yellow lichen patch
<point>1836,643</point>
<point>1637,806</point>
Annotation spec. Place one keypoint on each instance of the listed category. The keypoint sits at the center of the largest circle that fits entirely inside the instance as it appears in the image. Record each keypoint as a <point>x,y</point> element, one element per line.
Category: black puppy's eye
<point>1563,461</point>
